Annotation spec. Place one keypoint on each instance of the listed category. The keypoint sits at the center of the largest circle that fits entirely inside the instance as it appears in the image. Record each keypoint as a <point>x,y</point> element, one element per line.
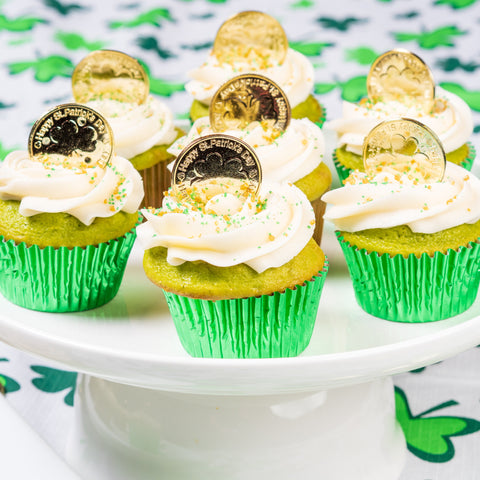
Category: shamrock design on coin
<point>407,146</point>
<point>71,135</point>
<point>213,163</point>
<point>404,146</point>
<point>402,76</point>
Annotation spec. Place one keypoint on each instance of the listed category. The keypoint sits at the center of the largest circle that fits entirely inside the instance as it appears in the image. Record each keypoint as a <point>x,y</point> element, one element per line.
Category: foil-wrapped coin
<point>110,74</point>
<point>404,146</point>
<point>249,98</point>
<point>71,135</point>
<point>213,164</point>
<point>252,36</point>
<point>403,76</point>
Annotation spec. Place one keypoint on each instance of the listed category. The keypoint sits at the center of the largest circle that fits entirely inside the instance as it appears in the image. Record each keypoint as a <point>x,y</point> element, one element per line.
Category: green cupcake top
<point>242,242</point>
<point>398,214</point>
<point>59,202</point>
<point>60,229</point>
<point>402,241</point>
<point>206,281</point>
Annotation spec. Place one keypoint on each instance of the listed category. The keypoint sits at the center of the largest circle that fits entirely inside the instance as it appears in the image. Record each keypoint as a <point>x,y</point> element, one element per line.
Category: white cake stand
<point>157,413</point>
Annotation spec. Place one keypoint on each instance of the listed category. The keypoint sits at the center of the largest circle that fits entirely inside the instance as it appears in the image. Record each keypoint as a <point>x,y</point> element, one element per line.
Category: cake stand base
<point>126,432</point>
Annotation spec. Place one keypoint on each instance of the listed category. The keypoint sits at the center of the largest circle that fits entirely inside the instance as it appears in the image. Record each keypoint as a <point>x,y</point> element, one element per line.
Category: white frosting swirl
<point>288,157</point>
<point>294,76</point>
<point>264,231</point>
<point>85,192</point>
<point>389,200</point>
<point>137,128</point>
<point>453,126</point>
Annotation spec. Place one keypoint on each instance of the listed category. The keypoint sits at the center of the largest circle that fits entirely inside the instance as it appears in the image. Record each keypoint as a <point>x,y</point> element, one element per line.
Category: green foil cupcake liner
<point>323,116</point>
<point>276,325</point>
<point>342,171</point>
<point>468,162</point>
<point>62,279</point>
<point>414,290</point>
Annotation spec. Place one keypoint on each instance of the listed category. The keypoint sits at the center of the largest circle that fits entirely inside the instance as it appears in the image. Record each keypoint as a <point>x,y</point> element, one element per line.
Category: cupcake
<point>142,125</point>
<point>254,42</point>
<point>409,231</point>
<point>67,214</point>
<point>443,112</point>
<point>238,266</point>
<point>292,152</point>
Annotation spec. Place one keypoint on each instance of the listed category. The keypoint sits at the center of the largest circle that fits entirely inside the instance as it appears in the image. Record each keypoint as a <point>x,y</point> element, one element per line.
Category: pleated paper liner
<point>344,172</point>
<point>318,209</point>
<point>156,180</point>
<point>276,325</point>
<point>414,290</point>
<point>62,279</point>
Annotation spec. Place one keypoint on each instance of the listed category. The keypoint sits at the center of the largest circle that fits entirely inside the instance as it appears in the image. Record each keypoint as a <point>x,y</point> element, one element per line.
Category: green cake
<point>316,183</point>
<point>202,280</point>
<point>60,229</point>
<point>401,240</point>
<point>156,154</point>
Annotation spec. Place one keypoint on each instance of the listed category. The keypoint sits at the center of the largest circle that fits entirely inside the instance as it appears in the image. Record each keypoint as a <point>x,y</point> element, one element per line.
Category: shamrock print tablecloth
<point>42,40</point>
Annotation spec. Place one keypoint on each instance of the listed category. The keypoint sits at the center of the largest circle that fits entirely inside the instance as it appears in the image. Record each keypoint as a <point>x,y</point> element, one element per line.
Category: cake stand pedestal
<point>146,410</point>
<point>341,433</point>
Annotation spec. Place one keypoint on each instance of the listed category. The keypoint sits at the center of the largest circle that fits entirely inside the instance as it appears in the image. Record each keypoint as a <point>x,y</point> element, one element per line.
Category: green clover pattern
<point>43,51</point>
<point>430,437</point>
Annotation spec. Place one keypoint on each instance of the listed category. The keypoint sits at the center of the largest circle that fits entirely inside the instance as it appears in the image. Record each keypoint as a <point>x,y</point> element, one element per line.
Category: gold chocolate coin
<point>404,146</point>
<point>71,135</point>
<point>403,76</point>
<point>214,164</point>
<point>110,74</point>
<point>249,98</point>
<point>253,36</point>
